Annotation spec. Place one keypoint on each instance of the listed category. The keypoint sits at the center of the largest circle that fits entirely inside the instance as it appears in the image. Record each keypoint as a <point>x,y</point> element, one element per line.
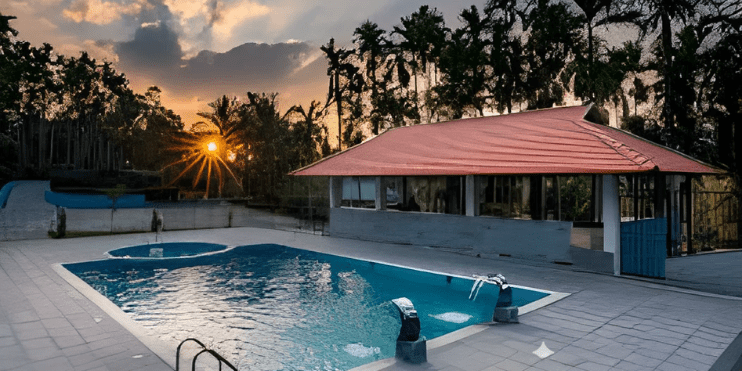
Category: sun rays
<point>204,154</point>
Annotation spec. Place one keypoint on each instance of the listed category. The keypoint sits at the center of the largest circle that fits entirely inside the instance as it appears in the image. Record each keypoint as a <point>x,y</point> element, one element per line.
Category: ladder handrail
<point>216,355</point>
<point>205,350</point>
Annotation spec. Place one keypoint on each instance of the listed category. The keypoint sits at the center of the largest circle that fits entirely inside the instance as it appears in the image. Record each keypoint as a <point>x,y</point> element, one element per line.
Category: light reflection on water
<point>270,307</point>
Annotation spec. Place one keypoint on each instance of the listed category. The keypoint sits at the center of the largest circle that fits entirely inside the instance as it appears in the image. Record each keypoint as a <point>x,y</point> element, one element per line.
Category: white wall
<point>533,239</point>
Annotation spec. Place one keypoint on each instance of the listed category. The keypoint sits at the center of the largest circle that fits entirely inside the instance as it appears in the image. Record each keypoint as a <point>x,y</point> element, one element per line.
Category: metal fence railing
<point>715,218</point>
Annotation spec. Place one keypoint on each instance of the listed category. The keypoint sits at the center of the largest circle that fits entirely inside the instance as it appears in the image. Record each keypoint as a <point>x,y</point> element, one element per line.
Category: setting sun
<point>211,146</point>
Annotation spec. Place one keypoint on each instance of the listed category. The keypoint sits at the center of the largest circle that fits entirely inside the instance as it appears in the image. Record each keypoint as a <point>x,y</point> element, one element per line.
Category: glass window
<point>575,195</point>
<point>636,193</point>
<point>359,192</point>
<point>394,192</point>
<point>505,196</point>
<point>436,194</point>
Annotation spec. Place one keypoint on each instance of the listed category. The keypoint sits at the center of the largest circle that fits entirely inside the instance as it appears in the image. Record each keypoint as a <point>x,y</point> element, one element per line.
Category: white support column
<point>612,220</point>
<point>471,196</point>
<point>380,193</point>
<point>336,191</point>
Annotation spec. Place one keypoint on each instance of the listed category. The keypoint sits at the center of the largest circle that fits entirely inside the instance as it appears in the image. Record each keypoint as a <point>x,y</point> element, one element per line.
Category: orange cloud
<point>102,12</point>
<point>229,17</point>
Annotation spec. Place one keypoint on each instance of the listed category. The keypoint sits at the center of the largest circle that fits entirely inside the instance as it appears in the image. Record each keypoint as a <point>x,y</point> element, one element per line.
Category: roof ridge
<point>640,159</point>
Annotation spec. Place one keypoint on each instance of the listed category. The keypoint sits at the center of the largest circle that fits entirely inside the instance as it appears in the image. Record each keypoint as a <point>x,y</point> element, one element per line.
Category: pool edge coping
<point>158,346</point>
<point>465,332</point>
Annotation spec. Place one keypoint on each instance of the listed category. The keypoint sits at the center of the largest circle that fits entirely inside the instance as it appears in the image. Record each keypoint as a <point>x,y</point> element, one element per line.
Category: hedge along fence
<point>91,201</point>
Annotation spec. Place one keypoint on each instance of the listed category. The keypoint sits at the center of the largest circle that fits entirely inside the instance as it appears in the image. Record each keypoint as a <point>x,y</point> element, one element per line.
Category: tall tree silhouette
<point>599,13</point>
<point>462,64</point>
<point>505,54</point>
<point>307,133</point>
<point>371,42</point>
<point>423,36</point>
<point>344,79</point>
<point>550,45</point>
<point>659,16</point>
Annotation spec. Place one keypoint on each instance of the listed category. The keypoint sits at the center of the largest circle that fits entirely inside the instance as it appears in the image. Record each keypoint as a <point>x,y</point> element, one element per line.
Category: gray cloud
<point>154,56</point>
<point>248,67</point>
<point>153,51</point>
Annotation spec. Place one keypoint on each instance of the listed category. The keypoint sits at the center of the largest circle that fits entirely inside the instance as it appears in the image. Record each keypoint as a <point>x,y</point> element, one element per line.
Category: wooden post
<point>380,193</point>
<point>659,195</point>
<point>472,204</point>
<point>558,195</point>
<point>635,194</point>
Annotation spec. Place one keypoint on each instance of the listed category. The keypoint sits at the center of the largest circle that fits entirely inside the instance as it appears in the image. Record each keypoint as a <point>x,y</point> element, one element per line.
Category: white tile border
<point>166,351</point>
<point>465,332</point>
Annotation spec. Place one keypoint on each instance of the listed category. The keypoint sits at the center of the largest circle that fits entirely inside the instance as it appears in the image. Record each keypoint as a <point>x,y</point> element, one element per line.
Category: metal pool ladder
<point>204,350</point>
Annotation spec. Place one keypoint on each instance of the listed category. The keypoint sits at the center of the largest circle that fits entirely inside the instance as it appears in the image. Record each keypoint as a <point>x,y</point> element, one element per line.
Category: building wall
<point>532,239</point>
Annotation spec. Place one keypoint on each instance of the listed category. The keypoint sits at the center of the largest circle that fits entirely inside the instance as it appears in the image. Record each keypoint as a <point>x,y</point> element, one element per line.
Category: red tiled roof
<point>551,141</point>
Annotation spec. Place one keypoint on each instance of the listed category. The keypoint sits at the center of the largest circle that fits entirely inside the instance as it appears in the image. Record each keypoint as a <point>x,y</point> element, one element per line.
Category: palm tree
<point>307,132</point>
<point>340,68</point>
<point>659,14</point>
<point>462,65</point>
<point>600,13</point>
<point>371,49</point>
<point>548,49</point>
<point>226,116</point>
<point>423,36</point>
<point>505,52</point>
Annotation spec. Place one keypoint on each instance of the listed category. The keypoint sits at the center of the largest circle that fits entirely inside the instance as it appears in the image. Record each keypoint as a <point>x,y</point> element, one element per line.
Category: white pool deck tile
<point>606,323</point>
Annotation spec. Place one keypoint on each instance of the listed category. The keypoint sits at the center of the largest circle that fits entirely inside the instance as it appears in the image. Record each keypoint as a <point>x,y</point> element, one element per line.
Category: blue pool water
<point>271,307</point>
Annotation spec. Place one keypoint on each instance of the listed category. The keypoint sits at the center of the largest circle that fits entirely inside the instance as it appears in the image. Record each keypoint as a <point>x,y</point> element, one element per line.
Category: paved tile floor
<point>719,273</point>
<point>607,323</point>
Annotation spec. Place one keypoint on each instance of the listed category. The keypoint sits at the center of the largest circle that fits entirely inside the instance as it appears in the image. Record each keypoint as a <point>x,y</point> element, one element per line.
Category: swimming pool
<point>274,307</point>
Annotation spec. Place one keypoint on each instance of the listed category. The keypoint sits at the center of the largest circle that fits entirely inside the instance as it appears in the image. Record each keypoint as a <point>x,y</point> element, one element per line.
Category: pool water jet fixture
<point>505,311</point>
<point>410,346</point>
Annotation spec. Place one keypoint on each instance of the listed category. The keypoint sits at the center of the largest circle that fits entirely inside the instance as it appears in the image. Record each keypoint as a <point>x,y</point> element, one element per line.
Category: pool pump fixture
<point>505,311</point>
<point>410,346</point>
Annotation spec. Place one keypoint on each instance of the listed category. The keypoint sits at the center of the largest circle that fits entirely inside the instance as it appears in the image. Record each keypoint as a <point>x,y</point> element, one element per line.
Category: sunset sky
<point>198,50</point>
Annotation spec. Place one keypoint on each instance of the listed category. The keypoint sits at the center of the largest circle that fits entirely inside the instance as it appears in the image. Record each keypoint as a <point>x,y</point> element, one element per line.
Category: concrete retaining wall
<point>174,218</point>
<point>101,220</point>
<point>532,239</point>
<point>200,217</point>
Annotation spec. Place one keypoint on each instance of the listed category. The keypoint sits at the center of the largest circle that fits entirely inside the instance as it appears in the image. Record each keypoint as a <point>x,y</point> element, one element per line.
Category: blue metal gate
<point>644,247</point>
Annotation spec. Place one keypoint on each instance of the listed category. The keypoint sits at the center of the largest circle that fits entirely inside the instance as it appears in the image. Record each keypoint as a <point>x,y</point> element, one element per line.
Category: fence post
<point>612,220</point>
<point>689,210</point>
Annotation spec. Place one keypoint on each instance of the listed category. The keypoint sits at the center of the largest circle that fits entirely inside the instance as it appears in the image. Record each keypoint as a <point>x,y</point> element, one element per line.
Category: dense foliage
<point>677,83</point>
<point>73,113</point>
<point>60,112</point>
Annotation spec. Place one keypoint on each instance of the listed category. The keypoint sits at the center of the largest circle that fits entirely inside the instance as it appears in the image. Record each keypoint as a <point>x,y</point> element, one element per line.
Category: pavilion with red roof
<point>551,184</point>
